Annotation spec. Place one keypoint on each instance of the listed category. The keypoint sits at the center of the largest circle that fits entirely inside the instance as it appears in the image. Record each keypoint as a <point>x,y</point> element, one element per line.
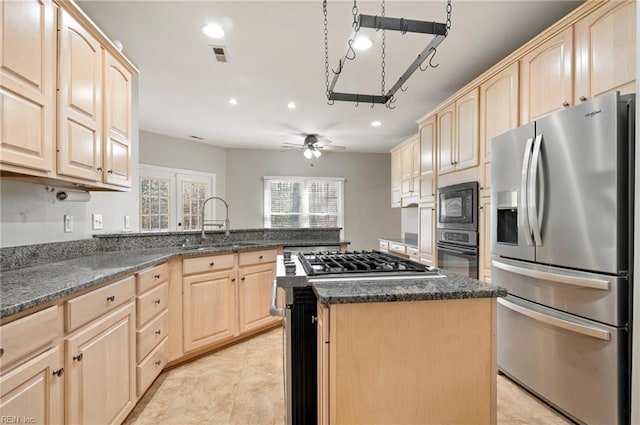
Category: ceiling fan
<point>313,146</point>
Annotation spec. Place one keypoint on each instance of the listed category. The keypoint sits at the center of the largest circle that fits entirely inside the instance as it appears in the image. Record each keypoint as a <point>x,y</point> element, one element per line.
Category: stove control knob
<point>290,268</point>
<point>286,255</point>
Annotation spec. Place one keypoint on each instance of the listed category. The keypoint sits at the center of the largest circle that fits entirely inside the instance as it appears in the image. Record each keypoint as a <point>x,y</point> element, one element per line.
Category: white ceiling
<point>276,55</point>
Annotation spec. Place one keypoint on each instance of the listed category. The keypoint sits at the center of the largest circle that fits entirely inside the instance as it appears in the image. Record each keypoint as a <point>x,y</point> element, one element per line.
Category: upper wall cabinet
<point>606,51</point>
<point>396,164</point>
<point>458,134</point>
<point>27,84</point>
<point>546,80</point>
<point>498,113</point>
<point>428,159</point>
<point>80,110</point>
<point>82,137</point>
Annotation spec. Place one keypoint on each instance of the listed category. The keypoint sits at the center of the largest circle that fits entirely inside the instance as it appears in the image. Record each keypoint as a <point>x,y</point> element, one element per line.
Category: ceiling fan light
<point>308,153</point>
<point>317,153</point>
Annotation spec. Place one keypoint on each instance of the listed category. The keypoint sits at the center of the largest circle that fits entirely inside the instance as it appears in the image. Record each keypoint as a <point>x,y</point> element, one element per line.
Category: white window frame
<point>176,176</point>
<point>305,181</point>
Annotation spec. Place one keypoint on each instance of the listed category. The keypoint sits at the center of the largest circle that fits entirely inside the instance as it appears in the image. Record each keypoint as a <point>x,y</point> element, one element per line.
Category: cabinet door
<point>117,122</point>
<point>605,43</point>
<point>427,234</point>
<point>27,83</point>
<point>80,102</point>
<point>255,297</point>
<point>323,365</point>
<point>446,139</point>
<point>396,164</point>
<point>546,80</point>
<point>32,392</point>
<point>427,160</point>
<point>467,147</point>
<point>100,362</point>
<point>406,174</point>
<point>498,112</point>
<point>208,309</point>
<point>485,240</point>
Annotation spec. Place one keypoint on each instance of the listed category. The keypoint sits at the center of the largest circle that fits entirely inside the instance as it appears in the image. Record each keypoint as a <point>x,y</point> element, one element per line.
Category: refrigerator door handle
<point>523,190</point>
<point>591,283</point>
<point>532,191</point>
<point>591,331</point>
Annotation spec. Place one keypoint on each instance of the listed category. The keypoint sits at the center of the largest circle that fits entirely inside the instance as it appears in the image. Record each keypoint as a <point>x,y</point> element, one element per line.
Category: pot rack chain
<point>438,30</point>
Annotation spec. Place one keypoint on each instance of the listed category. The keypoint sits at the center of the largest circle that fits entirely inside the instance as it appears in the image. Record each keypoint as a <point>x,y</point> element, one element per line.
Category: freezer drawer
<point>577,365</point>
<point>593,296</point>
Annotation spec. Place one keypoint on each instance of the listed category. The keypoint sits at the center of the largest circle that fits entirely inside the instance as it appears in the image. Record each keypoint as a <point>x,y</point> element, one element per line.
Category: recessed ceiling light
<point>376,123</point>
<point>233,101</point>
<point>291,105</point>
<point>362,42</point>
<point>213,31</point>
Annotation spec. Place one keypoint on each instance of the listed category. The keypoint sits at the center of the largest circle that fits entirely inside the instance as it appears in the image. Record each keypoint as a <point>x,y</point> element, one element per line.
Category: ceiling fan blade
<point>292,145</point>
<point>332,148</point>
<point>289,149</point>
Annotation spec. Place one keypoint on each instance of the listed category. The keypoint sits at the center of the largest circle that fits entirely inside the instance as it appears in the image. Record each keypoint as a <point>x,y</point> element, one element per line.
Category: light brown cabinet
<point>80,102</point>
<point>410,175</point>
<point>33,391</point>
<point>27,84</point>
<point>396,164</point>
<point>209,308</point>
<point>100,365</point>
<point>427,162</point>
<point>254,291</point>
<point>458,146</point>
<point>605,51</point>
<point>427,235</point>
<point>499,106</point>
<point>484,272</point>
<point>546,77</point>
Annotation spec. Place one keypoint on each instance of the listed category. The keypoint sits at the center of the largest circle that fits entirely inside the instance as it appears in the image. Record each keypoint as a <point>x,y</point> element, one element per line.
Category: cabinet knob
<point>111,298</point>
<point>314,319</point>
<point>157,301</point>
<point>99,168</point>
<point>211,264</point>
<point>110,171</point>
<point>58,372</point>
<point>156,277</point>
<point>260,257</point>
<point>565,104</point>
<point>242,278</point>
<point>233,280</point>
<point>158,362</point>
<point>1,351</point>
<point>78,357</point>
<point>583,99</point>
<point>158,332</point>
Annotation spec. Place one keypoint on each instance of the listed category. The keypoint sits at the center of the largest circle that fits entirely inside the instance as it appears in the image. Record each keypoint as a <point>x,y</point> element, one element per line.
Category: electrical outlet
<point>127,222</point>
<point>97,221</point>
<point>68,223</point>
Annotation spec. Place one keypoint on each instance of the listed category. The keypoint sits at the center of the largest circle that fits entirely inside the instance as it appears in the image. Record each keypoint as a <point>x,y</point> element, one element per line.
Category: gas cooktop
<point>357,262</point>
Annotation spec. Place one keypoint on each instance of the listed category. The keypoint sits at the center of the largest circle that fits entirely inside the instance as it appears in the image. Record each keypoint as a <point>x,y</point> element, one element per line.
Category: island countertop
<point>446,286</point>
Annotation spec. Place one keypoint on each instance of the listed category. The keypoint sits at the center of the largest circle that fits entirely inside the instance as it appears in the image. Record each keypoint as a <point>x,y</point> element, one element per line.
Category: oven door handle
<point>274,310</point>
<point>554,321</point>
<point>457,249</point>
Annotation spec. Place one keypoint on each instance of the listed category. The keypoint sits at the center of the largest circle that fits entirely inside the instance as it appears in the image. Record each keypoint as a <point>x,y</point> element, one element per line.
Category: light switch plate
<point>127,222</point>
<point>68,223</point>
<point>97,221</point>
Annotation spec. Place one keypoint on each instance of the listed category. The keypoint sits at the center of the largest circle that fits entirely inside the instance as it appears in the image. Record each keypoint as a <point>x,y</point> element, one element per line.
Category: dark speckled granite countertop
<point>447,286</point>
<point>25,288</point>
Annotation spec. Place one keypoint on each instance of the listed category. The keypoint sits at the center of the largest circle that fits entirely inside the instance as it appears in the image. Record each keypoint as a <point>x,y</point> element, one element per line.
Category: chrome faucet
<point>226,220</point>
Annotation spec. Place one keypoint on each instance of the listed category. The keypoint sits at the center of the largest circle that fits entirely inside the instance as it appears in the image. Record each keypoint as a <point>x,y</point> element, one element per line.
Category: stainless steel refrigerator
<point>561,230</point>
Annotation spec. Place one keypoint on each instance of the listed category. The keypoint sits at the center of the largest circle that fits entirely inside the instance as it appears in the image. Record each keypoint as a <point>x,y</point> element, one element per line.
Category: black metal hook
<point>404,89</point>
<point>331,102</point>
<point>433,56</point>
<point>339,68</point>
<point>390,102</point>
<point>350,50</point>
<point>377,25</point>
<point>404,27</point>
<point>357,100</point>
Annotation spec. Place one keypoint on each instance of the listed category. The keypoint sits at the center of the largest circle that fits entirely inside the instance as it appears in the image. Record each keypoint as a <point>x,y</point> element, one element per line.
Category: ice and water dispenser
<point>507,231</point>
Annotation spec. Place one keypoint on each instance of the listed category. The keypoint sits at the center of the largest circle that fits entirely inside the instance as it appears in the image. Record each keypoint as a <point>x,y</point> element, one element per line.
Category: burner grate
<point>322,263</point>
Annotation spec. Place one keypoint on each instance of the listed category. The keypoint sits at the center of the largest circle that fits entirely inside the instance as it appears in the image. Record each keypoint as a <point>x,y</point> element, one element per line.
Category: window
<point>296,202</point>
<point>171,199</point>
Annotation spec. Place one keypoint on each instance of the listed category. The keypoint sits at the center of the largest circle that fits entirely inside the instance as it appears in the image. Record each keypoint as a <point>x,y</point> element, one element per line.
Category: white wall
<point>30,214</point>
<point>367,189</point>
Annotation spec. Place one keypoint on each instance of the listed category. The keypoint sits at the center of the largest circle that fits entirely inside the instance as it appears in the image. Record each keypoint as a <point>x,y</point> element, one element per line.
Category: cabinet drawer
<point>257,257</point>
<point>413,253</point>
<point>151,303</point>
<point>146,279</point>
<point>149,369</point>
<point>384,245</point>
<point>83,309</point>
<point>207,264</point>
<point>26,335</point>
<point>396,247</point>
<point>151,334</point>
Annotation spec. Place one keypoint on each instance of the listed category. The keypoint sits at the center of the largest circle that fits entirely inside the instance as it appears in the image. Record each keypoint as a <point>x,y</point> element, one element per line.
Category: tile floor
<point>242,384</point>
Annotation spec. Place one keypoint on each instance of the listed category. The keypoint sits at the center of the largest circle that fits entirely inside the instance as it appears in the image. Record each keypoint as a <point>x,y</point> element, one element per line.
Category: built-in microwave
<point>458,206</point>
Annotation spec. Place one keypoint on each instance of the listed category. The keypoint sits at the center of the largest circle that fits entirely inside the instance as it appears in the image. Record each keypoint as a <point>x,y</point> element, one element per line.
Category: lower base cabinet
<point>100,366</point>
<point>415,362</point>
<point>255,297</point>
<point>32,393</point>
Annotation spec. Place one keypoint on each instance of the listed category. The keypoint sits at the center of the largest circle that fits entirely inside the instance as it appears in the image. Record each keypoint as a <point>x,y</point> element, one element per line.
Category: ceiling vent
<point>220,53</point>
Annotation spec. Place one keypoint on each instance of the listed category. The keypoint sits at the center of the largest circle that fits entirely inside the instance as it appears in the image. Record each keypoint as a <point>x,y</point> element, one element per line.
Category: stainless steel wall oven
<point>458,229</point>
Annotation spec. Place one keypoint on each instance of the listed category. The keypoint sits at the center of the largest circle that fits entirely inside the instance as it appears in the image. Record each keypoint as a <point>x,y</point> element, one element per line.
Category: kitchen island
<point>407,351</point>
